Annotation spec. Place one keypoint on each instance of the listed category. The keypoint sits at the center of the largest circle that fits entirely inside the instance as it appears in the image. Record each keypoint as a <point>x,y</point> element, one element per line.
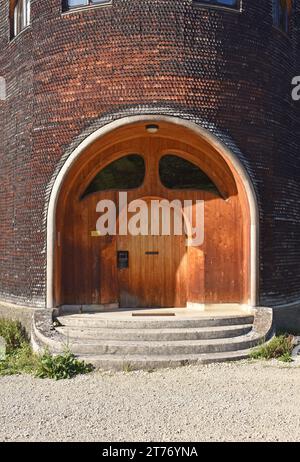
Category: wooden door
<point>162,271</point>
<point>153,270</point>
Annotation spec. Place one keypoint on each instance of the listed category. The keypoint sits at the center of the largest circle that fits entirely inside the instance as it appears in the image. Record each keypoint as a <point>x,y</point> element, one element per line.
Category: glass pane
<point>178,173</point>
<point>27,12</point>
<point>16,25</point>
<point>72,3</point>
<point>228,3</point>
<point>282,10</point>
<point>125,173</point>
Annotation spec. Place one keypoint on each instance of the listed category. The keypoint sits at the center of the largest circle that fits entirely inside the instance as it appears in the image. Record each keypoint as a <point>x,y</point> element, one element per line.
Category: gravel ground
<point>223,402</point>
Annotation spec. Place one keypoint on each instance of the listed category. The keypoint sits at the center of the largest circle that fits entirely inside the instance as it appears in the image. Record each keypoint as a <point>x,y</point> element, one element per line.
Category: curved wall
<point>68,74</point>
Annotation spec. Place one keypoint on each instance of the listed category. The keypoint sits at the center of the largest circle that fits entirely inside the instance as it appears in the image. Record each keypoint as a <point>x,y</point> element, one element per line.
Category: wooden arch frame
<point>106,150</point>
<point>237,182</point>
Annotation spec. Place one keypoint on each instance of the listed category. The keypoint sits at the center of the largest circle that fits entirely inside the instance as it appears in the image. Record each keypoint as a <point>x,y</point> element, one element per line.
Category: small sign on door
<point>123,259</point>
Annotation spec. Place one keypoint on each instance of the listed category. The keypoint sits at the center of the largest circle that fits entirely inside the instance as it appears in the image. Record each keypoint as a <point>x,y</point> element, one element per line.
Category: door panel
<point>156,274</point>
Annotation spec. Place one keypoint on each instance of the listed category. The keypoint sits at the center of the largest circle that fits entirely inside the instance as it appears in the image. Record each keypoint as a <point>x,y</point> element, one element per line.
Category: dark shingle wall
<point>69,74</point>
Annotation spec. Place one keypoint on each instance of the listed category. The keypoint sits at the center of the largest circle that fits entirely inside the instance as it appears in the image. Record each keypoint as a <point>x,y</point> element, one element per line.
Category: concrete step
<point>191,333</point>
<point>136,362</point>
<point>155,348</point>
<point>97,320</point>
<point>119,341</point>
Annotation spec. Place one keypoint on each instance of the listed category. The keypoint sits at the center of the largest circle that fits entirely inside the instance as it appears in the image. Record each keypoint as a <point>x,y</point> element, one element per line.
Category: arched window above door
<point>178,173</point>
<point>127,172</point>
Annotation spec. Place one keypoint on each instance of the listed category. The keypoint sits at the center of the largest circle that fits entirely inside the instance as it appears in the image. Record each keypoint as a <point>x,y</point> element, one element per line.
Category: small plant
<point>63,366</point>
<point>286,358</point>
<point>279,347</point>
<point>127,367</point>
<point>19,356</point>
<point>13,333</point>
<point>21,359</point>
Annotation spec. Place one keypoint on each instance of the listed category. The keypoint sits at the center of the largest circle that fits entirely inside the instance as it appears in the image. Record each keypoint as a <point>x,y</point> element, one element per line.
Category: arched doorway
<point>152,159</point>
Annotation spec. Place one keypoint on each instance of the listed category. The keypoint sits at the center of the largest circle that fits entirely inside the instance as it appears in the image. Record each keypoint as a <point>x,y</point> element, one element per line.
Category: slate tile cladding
<point>70,73</point>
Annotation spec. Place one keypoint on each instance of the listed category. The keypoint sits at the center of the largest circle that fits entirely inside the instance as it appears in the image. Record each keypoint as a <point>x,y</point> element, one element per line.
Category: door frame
<point>233,162</point>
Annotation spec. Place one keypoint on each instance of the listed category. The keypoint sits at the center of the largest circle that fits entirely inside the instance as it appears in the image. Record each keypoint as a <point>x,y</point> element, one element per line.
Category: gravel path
<point>222,402</point>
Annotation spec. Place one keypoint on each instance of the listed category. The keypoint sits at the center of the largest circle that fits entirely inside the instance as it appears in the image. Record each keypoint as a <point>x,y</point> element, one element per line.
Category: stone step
<point>154,348</point>
<point>177,322</point>
<point>136,362</point>
<point>118,341</point>
<point>200,333</point>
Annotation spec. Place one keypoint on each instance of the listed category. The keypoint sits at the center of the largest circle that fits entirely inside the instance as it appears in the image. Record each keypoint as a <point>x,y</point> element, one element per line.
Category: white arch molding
<point>220,147</point>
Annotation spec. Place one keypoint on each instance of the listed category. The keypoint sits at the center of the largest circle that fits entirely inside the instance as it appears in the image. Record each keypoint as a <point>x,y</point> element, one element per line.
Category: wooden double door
<point>153,270</point>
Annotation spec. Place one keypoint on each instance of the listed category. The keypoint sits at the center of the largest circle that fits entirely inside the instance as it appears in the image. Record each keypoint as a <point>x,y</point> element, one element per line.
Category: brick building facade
<point>70,73</point>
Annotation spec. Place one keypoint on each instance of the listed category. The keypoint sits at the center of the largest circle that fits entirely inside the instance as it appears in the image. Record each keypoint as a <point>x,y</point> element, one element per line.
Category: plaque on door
<point>123,259</point>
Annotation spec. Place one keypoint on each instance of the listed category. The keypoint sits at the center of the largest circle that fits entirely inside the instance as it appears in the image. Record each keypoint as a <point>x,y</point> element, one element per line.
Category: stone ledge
<point>264,322</point>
